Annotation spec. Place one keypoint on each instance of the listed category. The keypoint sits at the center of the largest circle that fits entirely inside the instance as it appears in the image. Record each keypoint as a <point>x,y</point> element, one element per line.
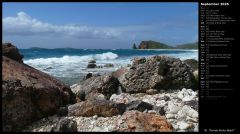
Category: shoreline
<point>158,90</point>
<point>171,49</point>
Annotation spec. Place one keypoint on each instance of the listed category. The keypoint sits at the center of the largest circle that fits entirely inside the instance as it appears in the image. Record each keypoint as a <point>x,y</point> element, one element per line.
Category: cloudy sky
<point>98,25</point>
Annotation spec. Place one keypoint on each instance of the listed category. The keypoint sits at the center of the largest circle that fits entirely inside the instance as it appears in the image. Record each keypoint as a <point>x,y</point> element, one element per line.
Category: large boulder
<point>157,72</point>
<point>103,108</point>
<point>134,121</point>
<point>105,84</point>
<point>11,52</point>
<point>29,94</point>
<point>192,63</point>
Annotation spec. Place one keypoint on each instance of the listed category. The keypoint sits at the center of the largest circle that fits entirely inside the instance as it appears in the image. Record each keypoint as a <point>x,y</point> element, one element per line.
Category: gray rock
<point>89,75</point>
<point>108,65</point>
<point>192,63</point>
<point>165,98</point>
<point>183,125</point>
<point>92,61</point>
<point>139,60</point>
<point>100,66</point>
<point>170,116</point>
<point>187,111</point>
<point>173,109</point>
<point>65,125</point>
<point>138,105</point>
<point>122,98</point>
<point>195,73</point>
<point>159,110</point>
<point>91,65</point>
<point>105,84</point>
<point>79,92</point>
<point>187,94</point>
<point>157,72</point>
<point>151,91</point>
<point>192,103</point>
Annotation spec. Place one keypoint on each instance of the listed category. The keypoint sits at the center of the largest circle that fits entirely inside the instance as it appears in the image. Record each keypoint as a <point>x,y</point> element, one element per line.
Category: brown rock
<point>103,108</point>
<point>134,121</point>
<point>11,52</point>
<point>29,94</point>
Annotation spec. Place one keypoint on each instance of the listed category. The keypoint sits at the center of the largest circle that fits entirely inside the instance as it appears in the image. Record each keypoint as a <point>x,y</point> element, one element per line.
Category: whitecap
<point>66,59</point>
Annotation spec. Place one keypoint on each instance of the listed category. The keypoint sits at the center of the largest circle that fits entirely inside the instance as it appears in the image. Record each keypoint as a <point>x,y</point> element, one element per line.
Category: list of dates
<point>215,55</point>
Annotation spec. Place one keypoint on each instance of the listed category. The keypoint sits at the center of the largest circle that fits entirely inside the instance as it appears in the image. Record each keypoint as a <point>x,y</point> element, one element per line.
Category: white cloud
<point>161,30</point>
<point>23,24</point>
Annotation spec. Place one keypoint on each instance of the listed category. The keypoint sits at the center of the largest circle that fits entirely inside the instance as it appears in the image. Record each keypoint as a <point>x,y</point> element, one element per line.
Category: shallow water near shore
<point>70,65</point>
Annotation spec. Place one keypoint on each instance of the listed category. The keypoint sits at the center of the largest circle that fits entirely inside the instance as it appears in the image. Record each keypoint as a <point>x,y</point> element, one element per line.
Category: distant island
<point>40,48</point>
<point>157,45</point>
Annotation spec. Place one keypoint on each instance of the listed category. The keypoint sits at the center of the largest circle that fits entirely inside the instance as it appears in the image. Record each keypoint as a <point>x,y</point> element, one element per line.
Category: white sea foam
<point>106,56</point>
<point>71,59</point>
<point>75,66</point>
<point>184,56</point>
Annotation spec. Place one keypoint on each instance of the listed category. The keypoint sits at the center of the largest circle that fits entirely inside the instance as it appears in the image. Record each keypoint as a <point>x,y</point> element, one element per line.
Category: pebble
<point>95,117</point>
<point>183,125</point>
<point>170,116</point>
<point>182,117</point>
<point>173,108</point>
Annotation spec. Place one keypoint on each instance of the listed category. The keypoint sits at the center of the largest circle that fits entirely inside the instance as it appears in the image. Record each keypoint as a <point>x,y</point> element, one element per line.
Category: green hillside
<point>188,46</point>
<point>157,45</point>
<point>153,45</point>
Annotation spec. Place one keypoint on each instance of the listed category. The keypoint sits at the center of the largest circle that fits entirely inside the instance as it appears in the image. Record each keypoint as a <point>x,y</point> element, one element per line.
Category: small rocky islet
<point>154,94</point>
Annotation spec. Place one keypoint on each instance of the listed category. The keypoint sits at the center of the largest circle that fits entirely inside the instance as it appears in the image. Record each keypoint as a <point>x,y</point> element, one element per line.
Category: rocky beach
<point>152,94</point>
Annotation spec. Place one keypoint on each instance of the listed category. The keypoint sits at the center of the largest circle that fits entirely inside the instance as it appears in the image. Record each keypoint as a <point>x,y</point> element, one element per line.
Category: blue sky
<point>98,25</point>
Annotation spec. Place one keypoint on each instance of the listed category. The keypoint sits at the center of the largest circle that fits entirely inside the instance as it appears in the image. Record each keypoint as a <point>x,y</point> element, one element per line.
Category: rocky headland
<point>158,45</point>
<point>154,94</point>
